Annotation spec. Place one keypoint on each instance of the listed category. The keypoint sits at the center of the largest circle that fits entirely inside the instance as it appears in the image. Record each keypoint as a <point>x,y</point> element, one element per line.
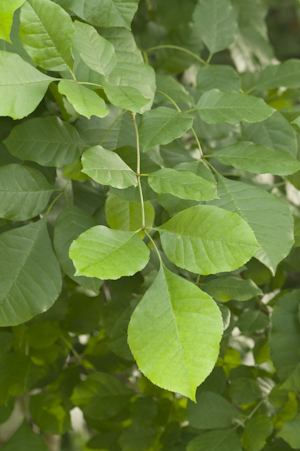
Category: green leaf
<point>170,86</point>
<point>125,97</point>
<point>291,432</point>
<point>284,75</point>
<point>162,125</point>
<point>257,158</point>
<point>207,240</point>
<point>215,107</point>
<point>220,77</point>
<point>84,101</point>
<point>96,52</point>
<point>49,413</point>
<point>101,396</point>
<point>108,254</point>
<point>83,314</point>
<point>244,391</point>
<point>7,9</point>
<point>138,438</point>
<point>43,334</point>
<point>284,346</point>
<point>252,321</point>
<point>107,168</point>
<point>70,223</point>
<point>174,204</point>
<point>229,288</point>
<point>183,184</point>
<point>217,440</point>
<point>47,140</point>
<point>275,133</point>
<point>212,411</point>
<point>125,215</point>
<point>22,87</point>
<point>30,274</point>
<point>24,192</point>
<point>6,410</point>
<point>15,369</point>
<point>24,438</point>
<point>174,334</point>
<point>269,218</point>
<point>110,13</point>
<point>255,433</point>
<point>46,34</point>
<point>217,22</point>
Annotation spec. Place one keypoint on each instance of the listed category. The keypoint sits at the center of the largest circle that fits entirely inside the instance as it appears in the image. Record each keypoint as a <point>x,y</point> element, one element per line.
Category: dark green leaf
<point>217,440</point>
<point>255,433</point>
<point>24,438</point>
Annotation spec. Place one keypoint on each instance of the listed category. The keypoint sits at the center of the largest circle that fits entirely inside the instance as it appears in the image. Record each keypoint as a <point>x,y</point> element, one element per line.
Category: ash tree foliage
<point>149,226</point>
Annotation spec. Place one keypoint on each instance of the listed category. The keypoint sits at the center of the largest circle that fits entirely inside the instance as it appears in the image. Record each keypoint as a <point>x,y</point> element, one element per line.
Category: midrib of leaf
<point>209,240</point>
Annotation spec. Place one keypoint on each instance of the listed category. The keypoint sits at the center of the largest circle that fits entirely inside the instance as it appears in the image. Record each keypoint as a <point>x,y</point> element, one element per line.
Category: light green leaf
<point>85,101</point>
<point>73,171</point>
<point>212,411</point>
<point>22,87</point>
<point>183,184</point>
<point>162,125</point>
<point>49,413</point>
<point>215,107</point>
<point>15,368</point>
<point>24,438</point>
<point>96,52</point>
<point>217,22</point>
<point>174,334</point>
<point>125,97</point>
<point>46,34</point>
<point>7,9</point>
<point>284,75</point>
<point>276,133</point>
<point>285,346</point>
<point>101,396</point>
<point>108,254</point>
<point>291,432</point>
<point>206,240</point>
<point>256,431</point>
<point>30,274</point>
<point>220,77</point>
<point>229,288</point>
<point>107,168</point>
<point>269,218</point>
<point>24,192</point>
<point>125,215</point>
<point>48,141</point>
<point>70,223</point>
<point>257,158</point>
<point>110,13</point>
<point>217,440</point>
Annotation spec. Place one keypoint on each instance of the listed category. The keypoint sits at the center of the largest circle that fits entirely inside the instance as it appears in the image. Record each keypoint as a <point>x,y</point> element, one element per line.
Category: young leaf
<point>85,101</point>
<point>162,125</point>
<point>7,9</point>
<point>285,75</point>
<point>24,192</point>
<point>215,107</point>
<point>256,432</point>
<point>257,158</point>
<point>217,22</point>
<point>269,218</point>
<point>172,316</point>
<point>46,34</point>
<point>96,52</point>
<point>22,87</point>
<point>46,140</point>
<point>30,274</point>
<point>125,97</point>
<point>216,440</point>
<point>110,13</point>
<point>70,223</point>
<point>229,288</point>
<point>220,77</point>
<point>108,254</point>
<point>122,214</point>
<point>101,396</point>
<point>24,438</point>
<point>107,168</point>
<point>207,240</point>
<point>212,411</point>
<point>185,185</point>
